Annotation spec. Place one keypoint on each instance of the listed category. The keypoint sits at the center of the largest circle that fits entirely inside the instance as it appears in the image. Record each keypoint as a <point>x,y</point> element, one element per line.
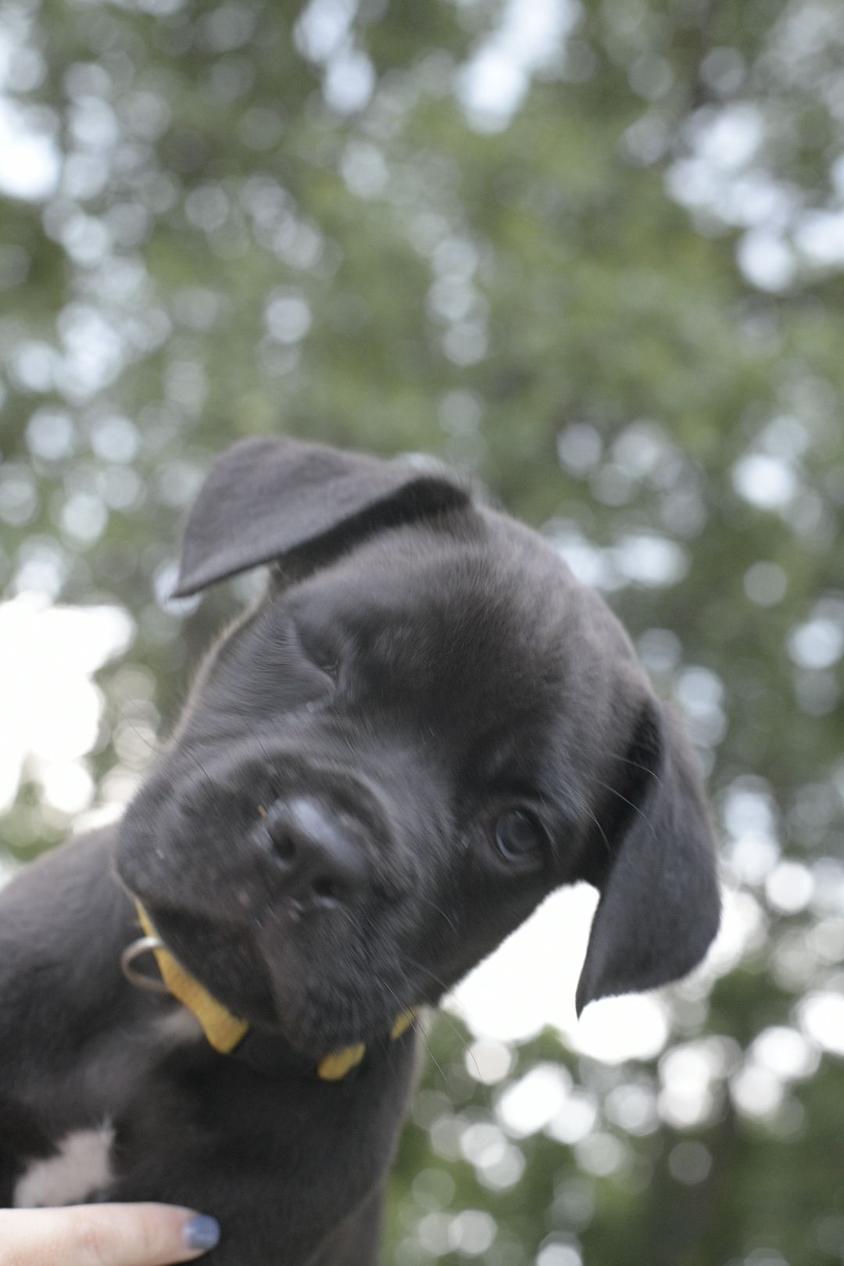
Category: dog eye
<point>321,655</point>
<point>519,836</point>
<point>327,664</point>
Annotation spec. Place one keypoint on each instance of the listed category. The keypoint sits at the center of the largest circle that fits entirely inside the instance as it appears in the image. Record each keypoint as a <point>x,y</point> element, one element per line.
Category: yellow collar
<point>225,1031</point>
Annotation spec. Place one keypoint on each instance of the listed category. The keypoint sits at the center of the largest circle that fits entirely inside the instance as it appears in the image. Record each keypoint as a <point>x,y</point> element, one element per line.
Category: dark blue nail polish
<point>202,1232</point>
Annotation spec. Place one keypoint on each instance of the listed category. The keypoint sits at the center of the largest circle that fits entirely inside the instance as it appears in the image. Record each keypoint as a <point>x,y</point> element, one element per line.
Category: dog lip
<point>266,961</point>
<point>315,1037</point>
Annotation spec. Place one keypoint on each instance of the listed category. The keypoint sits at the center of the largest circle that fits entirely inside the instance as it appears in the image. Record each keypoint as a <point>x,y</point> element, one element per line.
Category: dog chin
<point>283,990</point>
<point>221,959</point>
<point>315,1017</point>
<point>324,1014</point>
<point>320,1033</point>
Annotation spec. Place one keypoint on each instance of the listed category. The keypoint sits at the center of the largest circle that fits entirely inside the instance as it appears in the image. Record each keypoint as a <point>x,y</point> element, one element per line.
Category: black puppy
<point>423,727</point>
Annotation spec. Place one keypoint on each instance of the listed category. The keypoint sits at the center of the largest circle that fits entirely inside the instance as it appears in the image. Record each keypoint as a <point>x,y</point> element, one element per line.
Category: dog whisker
<point>594,819</point>
<point>426,970</point>
<point>452,923</point>
<point>583,807</point>
<point>426,1039</point>
<point>215,788</point>
<point>442,1018</point>
<point>625,760</point>
<point>636,809</point>
<point>154,745</point>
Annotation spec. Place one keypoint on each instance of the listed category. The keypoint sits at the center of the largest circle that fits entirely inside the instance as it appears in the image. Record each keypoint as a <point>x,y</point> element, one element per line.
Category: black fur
<point>419,667</point>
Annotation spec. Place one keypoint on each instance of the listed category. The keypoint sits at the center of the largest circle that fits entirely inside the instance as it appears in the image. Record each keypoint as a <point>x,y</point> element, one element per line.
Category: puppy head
<point>424,727</point>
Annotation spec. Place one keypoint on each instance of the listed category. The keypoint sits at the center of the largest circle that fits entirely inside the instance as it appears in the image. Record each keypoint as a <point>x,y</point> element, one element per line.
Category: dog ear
<point>660,903</point>
<point>268,499</point>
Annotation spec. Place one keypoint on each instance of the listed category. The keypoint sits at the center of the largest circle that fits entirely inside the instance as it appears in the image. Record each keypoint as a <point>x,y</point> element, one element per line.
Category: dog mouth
<point>343,997</point>
<point>288,924</point>
<point>336,989</point>
<point>217,956</point>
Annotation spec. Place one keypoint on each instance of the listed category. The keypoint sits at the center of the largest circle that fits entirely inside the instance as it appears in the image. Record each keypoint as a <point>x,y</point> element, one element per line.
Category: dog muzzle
<point>224,1032</point>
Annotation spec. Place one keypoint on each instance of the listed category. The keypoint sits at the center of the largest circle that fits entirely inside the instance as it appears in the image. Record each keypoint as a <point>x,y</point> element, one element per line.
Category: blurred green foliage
<point>592,254</point>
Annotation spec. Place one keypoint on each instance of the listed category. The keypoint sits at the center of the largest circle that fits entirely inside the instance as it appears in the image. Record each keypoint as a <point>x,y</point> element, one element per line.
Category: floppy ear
<point>660,904</point>
<point>268,498</point>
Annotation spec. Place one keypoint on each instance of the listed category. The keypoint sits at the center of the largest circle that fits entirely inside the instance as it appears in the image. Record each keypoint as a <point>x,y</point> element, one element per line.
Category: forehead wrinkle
<point>464,618</point>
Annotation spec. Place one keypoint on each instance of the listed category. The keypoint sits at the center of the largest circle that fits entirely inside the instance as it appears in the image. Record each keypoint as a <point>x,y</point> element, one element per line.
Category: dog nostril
<point>283,846</point>
<point>327,891</point>
<point>320,860</point>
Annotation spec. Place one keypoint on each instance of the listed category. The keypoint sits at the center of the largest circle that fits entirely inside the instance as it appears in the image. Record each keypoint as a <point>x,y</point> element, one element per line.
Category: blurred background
<point>590,253</point>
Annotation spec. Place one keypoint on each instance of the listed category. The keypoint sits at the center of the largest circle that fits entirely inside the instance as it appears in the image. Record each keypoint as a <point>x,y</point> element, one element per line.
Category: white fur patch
<point>179,1026</point>
<point>80,1169</point>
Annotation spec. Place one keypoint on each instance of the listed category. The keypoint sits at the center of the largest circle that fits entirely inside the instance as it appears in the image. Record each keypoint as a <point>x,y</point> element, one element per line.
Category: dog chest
<point>80,1168</point>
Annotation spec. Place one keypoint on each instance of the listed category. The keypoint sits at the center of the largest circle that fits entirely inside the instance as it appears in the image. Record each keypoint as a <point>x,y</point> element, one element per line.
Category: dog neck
<point>227,1033</point>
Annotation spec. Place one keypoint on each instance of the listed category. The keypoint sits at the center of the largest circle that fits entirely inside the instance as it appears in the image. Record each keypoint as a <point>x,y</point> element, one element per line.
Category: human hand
<point>104,1235</point>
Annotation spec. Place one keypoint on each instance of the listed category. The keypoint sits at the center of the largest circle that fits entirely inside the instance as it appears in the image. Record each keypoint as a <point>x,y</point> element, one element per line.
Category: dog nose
<point>321,861</point>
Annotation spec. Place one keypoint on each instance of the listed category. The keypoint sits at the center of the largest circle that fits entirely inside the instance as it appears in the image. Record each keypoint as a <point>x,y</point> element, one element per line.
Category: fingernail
<point>202,1232</point>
